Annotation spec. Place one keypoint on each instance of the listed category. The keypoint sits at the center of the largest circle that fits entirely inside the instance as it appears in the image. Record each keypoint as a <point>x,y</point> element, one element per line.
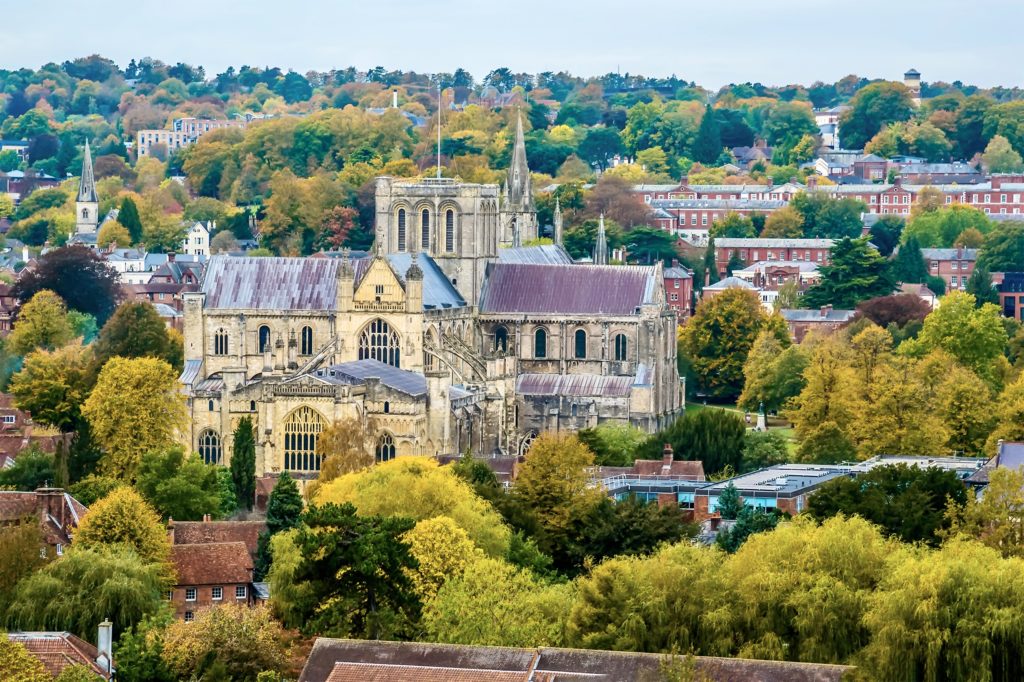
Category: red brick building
<point>1011,295</point>
<point>754,250</point>
<point>210,574</point>
<point>954,266</point>
<point>801,322</point>
<point>57,512</point>
<point>679,290</point>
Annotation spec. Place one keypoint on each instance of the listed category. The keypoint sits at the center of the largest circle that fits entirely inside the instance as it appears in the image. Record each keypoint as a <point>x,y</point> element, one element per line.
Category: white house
<point>197,240</point>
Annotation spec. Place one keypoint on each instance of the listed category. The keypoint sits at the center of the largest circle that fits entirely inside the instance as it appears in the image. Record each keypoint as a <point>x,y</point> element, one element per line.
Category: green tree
<point>42,323</point>
<point>135,330</point>
<point>138,651</point>
<point>872,108</point>
<point>710,264</point>
<point>941,228</point>
<point>974,336</point>
<point>78,275</point>
<point>32,469</point>
<point>1001,157</point>
<point>600,145</point>
<point>612,444</point>
<point>1003,249</point>
<point>748,522</point>
<point>980,286</point>
<point>87,586</point>
<point>711,436</point>
<point>729,504</point>
<point>135,407</point>
<point>243,462</point>
<point>52,386</point>
<point>773,373</point>
<point>784,223</point>
<point>707,147</point>
<point>20,541</point>
<point>179,486</point>
<point>733,225</point>
<point>718,339</point>
<point>764,449</point>
<point>827,217</point>
<point>885,233</point>
<point>997,518</point>
<point>128,216</point>
<point>357,571</point>
<point>553,482</point>
<point>909,265</point>
<point>856,273</point>
<point>92,488</point>
<point>284,511</point>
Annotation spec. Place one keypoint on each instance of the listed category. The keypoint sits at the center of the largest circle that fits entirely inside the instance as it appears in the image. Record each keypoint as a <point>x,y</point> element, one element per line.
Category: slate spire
<point>601,244</point>
<point>87,187</point>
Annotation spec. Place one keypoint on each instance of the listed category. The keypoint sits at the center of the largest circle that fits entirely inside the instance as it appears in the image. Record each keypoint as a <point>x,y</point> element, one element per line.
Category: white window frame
<point>189,616</point>
<point>241,592</point>
<point>10,419</point>
<point>191,591</point>
<point>217,593</point>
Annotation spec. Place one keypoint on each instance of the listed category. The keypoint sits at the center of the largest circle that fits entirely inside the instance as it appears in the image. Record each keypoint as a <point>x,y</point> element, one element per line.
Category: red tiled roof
<point>566,289</point>
<point>679,468</point>
<point>213,563</point>
<point>58,650</point>
<point>205,532</point>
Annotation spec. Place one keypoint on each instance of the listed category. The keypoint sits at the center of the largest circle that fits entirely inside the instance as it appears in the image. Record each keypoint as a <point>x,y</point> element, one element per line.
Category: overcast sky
<point>711,41</point>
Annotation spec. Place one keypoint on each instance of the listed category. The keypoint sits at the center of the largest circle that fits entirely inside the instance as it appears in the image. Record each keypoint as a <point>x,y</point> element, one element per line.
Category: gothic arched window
<point>620,347</point>
<point>85,214</point>
<point>379,342</point>
<point>581,344</point>
<point>385,448</point>
<point>501,339</point>
<point>264,338</point>
<point>449,230</point>
<point>301,430</point>
<point>220,342</point>
<point>306,341</point>
<point>401,229</point>
<point>540,344</point>
<point>425,229</point>
<point>209,447</point>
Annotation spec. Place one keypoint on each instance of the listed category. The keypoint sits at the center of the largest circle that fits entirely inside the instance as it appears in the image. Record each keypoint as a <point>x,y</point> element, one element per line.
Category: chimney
<point>771,183</point>
<point>999,450</point>
<point>826,309</point>
<point>24,254</point>
<point>667,455</point>
<point>206,518</point>
<point>675,262</point>
<point>51,501</point>
<point>812,181</point>
<point>170,256</point>
<point>104,652</point>
<point>394,99</point>
<point>170,529</point>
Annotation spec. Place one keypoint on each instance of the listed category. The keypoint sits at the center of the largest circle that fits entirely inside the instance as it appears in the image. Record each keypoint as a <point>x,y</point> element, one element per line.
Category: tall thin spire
<point>519,191</point>
<point>439,129</point>
<point>557,234</point>
<point>601,244</point>
<point>87,186</point>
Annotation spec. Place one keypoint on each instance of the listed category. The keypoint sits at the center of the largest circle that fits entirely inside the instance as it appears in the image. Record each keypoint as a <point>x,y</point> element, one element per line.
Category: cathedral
<point>455,333</point>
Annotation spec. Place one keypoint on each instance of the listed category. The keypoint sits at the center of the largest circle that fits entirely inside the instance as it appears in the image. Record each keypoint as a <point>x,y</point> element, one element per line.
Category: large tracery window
<point>385,448</point>
<point>220,342</point>
<point>449,230</point>
<point>301,430</point>
<point>401,229</point>
<point>379,342</point>
<point>209,447</point>
<point>425,229</point>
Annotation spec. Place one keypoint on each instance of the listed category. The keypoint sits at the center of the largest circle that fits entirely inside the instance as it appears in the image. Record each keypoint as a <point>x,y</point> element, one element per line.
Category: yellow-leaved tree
<point>553,482</point>
<point>42,323</point>
<point>443,551</point>
<point>124,518</point>
<point>419,488</point>
<point>135,407</point>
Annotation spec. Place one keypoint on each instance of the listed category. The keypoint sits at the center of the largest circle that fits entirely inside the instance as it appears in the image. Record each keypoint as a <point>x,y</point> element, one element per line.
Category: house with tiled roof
<point>56,511</point>
<point>207,531</point>
<point>341,660</point>
<point>60,650</point>
<point>822,320</point>
<point>210,574</point>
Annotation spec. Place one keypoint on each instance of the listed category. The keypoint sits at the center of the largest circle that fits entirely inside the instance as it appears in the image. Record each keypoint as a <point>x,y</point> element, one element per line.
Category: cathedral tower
<point>87,205</point>
<point>518,214</point>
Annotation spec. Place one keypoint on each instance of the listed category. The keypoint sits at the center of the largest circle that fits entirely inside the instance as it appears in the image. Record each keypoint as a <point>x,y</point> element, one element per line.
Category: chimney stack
<point>105,652</point>
<point>826,309</point>
<point>394,99</point>
<point>667,455</point>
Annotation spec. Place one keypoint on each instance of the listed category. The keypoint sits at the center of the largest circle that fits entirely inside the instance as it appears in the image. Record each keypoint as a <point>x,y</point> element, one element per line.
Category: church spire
<point>601,244</point>
<point>518,183</point>
<point>87,186</point>
<point>557,234</point>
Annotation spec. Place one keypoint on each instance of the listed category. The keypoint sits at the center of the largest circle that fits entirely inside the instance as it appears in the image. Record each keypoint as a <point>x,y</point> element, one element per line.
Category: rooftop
<point>950,254</point>
<point>769,243</point>
<point>544,254</point>
<point>816,315</point>
<point>214,563</point>
<point>358,371</point>
<point>567,289</point>
<point>203,532</point>
<point>573,385</point>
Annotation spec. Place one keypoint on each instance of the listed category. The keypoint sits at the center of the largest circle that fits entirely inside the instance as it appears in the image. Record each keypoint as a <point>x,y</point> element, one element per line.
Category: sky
<point>712,42</point>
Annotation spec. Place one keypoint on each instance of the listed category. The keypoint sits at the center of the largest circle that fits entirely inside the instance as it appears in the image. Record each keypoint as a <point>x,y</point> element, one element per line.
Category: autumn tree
<point>873,107</point>
<point>346,446</point>
<point>115,234</point>
<point>825,409</point>
<point>135,407</point>
<point>243,462</point>
<point>718,339</point>
<point>898,309</point>
<point>42,323</point>
<point>18,664</point>
<point>234,640</point>
<point>997,518</point>
<point>786,222</point>
<point>1001,157</point>
<point>772,374</point>
<point>53,385</point>
<point>124,518</point>
<point>20,541</point>
<point>553,482</point>
<point>614,198</point>
<point>442,551</point>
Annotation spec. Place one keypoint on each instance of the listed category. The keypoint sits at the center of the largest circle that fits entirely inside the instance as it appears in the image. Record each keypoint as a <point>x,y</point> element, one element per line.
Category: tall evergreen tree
<point>128,216</point>
<point>285,505</point>
<point>980,286</point>
<point>857,272</point>
<point>710,266</point>
<point>708,145</point>
<point>909,266</point>
<point>243,464</point>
